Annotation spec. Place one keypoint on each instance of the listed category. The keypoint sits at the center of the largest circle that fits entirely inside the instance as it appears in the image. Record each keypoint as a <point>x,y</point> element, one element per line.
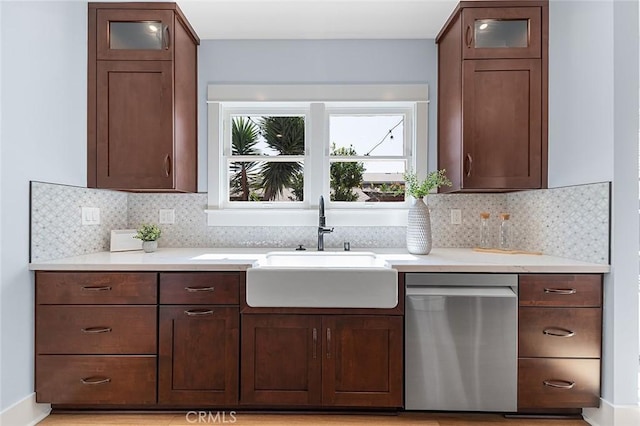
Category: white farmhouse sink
<point>322,280</point>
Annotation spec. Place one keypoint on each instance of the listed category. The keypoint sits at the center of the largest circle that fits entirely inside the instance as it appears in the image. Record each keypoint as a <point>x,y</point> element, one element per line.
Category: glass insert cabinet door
<point>511,32</point>
<point>134,34</point>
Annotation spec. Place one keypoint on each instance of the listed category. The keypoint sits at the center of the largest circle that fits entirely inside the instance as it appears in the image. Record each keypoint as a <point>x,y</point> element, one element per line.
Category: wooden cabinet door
<point>198,355</point>
<point>502,129</point>
<point>130,34</point>
<point>281,360</point>
<point>362,361</point>
<point>134,125</point>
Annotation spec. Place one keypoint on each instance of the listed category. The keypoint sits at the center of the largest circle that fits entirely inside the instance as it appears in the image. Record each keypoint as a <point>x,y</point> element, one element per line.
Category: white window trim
<point>273,215</point>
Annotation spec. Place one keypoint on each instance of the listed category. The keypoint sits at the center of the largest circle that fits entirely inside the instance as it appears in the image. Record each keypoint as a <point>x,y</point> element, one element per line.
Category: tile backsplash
<point>569,222</point>
<point>56,220</point>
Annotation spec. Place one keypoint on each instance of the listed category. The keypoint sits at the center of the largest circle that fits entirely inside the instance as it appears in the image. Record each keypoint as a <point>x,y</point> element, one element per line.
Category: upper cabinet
<point>142,98</point>
<point>492,96</point>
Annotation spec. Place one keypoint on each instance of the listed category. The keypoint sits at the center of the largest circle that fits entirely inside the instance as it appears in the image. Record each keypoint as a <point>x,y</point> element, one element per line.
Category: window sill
<point>287,217</point>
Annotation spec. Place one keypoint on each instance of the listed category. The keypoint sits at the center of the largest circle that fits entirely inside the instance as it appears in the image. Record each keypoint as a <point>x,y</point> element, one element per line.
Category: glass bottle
<point>505,239</point>
<point>484,230</point>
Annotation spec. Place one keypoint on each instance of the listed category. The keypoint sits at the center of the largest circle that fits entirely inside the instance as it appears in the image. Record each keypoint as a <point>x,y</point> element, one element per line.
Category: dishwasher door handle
<point>460,291</point>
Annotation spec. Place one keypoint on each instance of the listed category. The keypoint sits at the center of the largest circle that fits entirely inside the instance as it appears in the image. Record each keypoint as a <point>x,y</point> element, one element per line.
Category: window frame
<point>383,108</point>
<point>271,109</point>
<point>317,101</point>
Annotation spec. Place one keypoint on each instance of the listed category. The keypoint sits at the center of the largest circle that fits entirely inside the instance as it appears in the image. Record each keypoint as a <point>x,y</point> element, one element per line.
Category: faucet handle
<point>300,247</point>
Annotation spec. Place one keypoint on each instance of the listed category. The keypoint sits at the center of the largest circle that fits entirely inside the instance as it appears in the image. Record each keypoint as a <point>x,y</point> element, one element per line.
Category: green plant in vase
<point>149,234</point>
<point>419,239</point>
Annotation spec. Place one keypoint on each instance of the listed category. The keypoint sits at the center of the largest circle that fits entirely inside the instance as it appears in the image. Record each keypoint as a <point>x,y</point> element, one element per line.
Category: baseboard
<point>26,412</point>
<point>612,415</point>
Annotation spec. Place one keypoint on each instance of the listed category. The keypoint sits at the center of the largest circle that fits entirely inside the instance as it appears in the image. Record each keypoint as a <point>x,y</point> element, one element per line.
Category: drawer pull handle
<point>198,312</point>
<point>328,343</point>
<point>95,380</point>
<point>558,332</point>
<point>95,330</point>
<point>96,287</point>
<point>196,289</point>
<point>468,36</point>
<point>561,384</point>
<point>560,290</point>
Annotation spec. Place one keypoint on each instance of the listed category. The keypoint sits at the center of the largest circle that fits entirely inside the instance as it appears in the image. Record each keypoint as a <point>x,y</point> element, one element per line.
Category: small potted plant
<point>149,234</point>
<point>419,222</point>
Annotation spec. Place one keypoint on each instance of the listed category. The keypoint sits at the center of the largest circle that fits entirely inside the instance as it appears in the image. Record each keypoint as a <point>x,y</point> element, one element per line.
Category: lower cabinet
<point>198,355</point>
<point>321,360</point>
<point>559,341</point>
<point>96,338</point>
<point>198,346</point>
<point>177,339</point>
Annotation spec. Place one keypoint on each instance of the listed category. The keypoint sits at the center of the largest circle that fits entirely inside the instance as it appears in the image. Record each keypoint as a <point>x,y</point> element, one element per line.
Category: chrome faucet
<point>322,229</point>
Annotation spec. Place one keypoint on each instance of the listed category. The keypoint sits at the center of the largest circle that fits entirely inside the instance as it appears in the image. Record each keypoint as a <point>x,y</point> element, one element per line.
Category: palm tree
<point>285,135</point>
<point>244,137</point>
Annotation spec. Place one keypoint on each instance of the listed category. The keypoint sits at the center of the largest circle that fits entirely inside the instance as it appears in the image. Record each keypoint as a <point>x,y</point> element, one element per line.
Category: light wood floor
<point>245,419</point>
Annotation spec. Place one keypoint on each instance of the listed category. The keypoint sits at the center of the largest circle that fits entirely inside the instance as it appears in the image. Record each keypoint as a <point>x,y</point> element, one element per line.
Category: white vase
<point>149,246</point>
<point>419,228</point>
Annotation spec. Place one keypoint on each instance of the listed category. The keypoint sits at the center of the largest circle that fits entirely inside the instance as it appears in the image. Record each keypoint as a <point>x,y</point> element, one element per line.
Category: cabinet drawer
<point>560,290</point>
<point>558,383</point>
<point>96,329</point>
<point>79,379</point>
<point>195,288</point>
<point>559,332</point>
<point>69,288</point>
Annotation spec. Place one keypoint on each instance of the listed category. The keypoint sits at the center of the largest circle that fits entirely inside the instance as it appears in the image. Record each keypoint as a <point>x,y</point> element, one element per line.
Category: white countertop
<point>229,259</point>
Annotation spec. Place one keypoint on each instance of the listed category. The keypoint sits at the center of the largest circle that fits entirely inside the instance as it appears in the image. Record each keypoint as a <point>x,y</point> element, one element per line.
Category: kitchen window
<point>273,150</point>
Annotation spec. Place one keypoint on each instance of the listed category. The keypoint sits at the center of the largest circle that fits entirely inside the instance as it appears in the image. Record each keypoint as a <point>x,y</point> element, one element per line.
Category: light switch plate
<point>456,216</point>
<point>167,216</point>
<point>90,215</point>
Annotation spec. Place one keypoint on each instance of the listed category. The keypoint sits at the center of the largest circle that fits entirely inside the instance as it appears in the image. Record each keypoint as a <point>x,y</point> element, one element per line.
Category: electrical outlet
<point>90,215</point>
<point>167,216</point>
<point>456,216</point>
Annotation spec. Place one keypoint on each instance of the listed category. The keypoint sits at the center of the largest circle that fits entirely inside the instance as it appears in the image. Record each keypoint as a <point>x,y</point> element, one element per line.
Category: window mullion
<point>315,167</point>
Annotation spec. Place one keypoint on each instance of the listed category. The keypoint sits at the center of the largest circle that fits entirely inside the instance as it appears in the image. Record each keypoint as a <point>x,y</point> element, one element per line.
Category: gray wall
<point>580,93</point>
<point>43,134</point>
<point>314,61</point>
<point>593,136</point>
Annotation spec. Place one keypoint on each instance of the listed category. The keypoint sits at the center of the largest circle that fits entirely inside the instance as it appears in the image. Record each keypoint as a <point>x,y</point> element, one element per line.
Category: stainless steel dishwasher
<point>461,337</point>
